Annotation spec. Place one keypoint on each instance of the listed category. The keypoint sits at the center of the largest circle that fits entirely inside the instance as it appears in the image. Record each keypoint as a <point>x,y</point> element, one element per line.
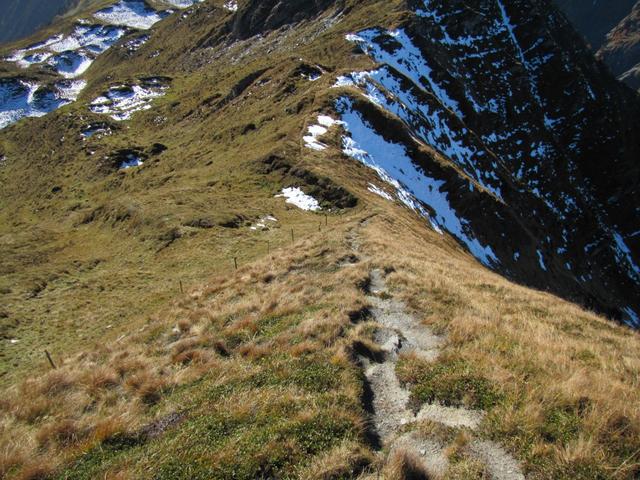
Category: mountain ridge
<point>225,240</point>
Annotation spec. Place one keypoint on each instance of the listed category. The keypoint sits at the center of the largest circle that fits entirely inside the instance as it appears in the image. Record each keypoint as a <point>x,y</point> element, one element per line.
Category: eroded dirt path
<point>400,333</point>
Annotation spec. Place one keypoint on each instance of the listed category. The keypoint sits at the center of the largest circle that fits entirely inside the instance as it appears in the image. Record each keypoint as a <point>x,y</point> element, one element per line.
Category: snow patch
<point>315,131</point>
<point>132,161</point>
<point>70,64</point>
<point>231,5</point>
<point>19,98</point>
<point>134,14</point>
<point>295,196</point>
<point>264,223</point>
<point>99,129</point>
<point>133,45</point>
<point>122,101</point>
<point>70,55</point>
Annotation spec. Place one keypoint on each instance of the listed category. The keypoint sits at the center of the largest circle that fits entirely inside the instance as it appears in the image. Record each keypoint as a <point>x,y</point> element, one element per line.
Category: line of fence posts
<point>293,239</point>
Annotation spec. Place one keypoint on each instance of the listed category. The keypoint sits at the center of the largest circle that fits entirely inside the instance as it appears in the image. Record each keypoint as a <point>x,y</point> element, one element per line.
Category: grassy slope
<point>252,371</point>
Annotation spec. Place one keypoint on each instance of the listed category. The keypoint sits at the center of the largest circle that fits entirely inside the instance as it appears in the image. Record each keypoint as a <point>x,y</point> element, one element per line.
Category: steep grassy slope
<point>257,373</point>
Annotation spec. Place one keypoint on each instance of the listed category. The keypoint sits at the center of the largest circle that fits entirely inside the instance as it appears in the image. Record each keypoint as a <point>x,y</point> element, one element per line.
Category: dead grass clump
<point>52,383</point>
<point>307,347</point>
<point>12,455</point>
<point>101,378</point>
<point>195,356</point>
<point>126,365</point>
<point>33,410</point>
<point>456,450</point>
<point>347,460</point>
<point>110,427</point>
<point>40,469</point>
<point>184,325</point>
<point>467,468</point>
<point>184,345</point>
<point>61,433</point>
<point>404,465</point>
<point>147,386</point>
<point>255,351</point>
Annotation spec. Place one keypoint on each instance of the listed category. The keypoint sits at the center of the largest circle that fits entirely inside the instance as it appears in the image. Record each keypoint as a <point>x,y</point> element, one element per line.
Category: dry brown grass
<point>569,378</point>
<point>296,303</point>
<point>403,465</point>
<point>566,379</point>
<point>344,461</point>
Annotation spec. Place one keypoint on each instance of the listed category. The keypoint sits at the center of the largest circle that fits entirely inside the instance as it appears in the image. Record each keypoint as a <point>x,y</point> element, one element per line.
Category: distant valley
<point>21,18</point>
<point>612,30</point>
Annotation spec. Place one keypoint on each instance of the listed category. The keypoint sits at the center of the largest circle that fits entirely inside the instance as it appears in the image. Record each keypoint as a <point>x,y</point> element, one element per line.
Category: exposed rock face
<point>258,16</point>
<point>498,119</point>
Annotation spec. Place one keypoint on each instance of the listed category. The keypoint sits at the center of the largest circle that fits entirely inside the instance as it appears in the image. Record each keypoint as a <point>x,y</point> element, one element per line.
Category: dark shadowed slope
<point>21,18</point>
<point>595,19</point>
<point>612,28</point>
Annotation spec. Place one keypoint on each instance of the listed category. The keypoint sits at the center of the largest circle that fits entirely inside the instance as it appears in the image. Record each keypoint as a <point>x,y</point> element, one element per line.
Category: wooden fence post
<point>53,365</point>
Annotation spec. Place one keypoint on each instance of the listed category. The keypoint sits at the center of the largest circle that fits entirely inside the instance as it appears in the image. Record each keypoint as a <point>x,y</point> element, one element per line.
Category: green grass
<point>267,424</point>
<point>449,381</point>
<point>87,262</point>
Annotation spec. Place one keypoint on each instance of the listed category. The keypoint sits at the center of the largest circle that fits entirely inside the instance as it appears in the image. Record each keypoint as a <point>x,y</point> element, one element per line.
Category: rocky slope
<point>529,196</point>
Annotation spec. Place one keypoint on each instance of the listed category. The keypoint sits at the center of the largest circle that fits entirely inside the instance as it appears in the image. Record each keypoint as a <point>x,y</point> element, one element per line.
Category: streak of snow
<point>379,191</point>
<point>632,319</point>
<point>231,5</point>
<point>406,58</point>
<point>429,124</point>
<point>182,3</point>
<point>393,165</point>
<point>543,266</point>
<point>623,255</point>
